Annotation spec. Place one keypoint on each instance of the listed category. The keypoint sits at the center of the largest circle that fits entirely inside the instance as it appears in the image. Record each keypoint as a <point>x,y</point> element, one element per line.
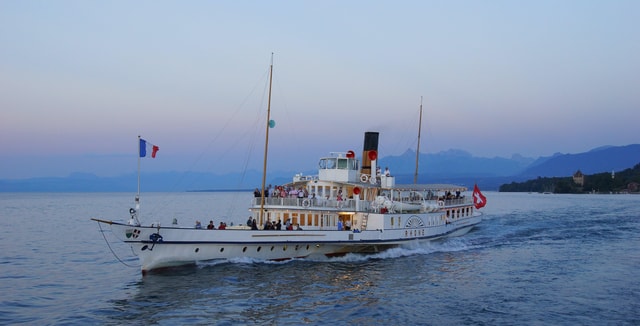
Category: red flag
<point>479,200</point>
<point>154,150</point>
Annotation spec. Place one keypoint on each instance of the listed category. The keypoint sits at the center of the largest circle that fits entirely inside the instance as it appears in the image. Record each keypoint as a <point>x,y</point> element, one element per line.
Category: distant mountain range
<point>452,166</point>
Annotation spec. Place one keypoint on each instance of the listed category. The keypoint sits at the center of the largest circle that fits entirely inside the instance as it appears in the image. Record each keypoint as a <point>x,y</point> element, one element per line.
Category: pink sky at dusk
<point>79,81</point>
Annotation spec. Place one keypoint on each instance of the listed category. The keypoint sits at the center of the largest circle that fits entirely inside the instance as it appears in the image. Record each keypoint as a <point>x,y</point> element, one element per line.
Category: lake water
<point>534,260</point>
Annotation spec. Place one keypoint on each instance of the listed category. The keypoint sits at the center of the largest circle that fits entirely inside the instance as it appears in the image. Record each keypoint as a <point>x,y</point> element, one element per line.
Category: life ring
<point>132,211</point>
<point>364,178</point>
<point>306,203</point>
<point>440,203</point>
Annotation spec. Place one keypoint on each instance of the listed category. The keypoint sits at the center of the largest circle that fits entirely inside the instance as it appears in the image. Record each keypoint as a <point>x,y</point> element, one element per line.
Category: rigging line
<point>253,137</point>
<point>111,249</point>
<point>206,148</point>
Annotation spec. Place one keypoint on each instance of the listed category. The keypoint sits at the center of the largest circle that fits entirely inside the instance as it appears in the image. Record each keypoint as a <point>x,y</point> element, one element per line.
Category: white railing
<point>315,203</point>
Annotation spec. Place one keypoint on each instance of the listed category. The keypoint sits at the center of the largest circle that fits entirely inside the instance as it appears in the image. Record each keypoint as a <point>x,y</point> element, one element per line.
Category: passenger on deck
<point>279,225</point>
<point>347,225</point>
<point>222,226</point>
<point>256,193</point>
<point>339,225</point>
<point>198,225</point>
<point>254,225</point>
<point>211,226</point>
<point>387,172</point>
<point>298,227</point>
<point>249,222</point>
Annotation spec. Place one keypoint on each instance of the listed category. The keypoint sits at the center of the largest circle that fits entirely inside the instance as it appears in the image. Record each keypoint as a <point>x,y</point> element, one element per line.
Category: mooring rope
<point>113,252</point>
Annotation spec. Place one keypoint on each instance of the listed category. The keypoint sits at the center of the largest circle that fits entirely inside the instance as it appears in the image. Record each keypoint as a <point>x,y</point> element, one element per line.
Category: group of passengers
<point>449,196</point>
<point>272,225</point>
<point>284,192</point>
<point>211,226</point>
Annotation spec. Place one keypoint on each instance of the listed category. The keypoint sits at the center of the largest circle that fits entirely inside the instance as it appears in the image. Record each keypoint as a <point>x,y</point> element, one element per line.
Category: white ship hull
<point>183,246</point>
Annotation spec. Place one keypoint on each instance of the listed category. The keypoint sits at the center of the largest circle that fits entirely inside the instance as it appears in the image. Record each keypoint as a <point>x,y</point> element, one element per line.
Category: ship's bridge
<point>339,166</point>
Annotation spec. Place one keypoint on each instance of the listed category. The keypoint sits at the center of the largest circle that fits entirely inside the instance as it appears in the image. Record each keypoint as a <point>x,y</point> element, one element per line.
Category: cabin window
<point>309,217</point>
<point>331,163</point>
<point>316,218</point>
<point>391,221</point>
<point>448,213</point>
<point>342,163</point>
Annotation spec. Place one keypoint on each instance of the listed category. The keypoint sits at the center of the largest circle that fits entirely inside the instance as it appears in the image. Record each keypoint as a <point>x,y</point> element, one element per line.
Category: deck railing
<point>349,204</point>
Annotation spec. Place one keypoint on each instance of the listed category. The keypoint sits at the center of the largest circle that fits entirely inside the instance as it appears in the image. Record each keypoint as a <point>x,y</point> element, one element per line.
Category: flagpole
<point>139,138</point>
<point>137,200</point>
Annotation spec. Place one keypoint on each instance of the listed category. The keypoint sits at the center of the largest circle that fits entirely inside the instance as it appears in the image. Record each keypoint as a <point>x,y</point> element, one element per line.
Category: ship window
<point>197,249</point>
<point>221,249</point>
<point>391,221</point>
<point>331,163</point>
<point>343,163</point>
<point>258,250</point>
<point>244,249</point>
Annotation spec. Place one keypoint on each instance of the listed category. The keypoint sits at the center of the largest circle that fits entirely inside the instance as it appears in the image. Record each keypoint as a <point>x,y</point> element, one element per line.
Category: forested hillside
<point>619,182</point>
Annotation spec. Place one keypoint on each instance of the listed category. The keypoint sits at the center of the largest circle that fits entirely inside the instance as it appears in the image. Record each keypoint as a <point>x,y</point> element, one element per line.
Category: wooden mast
<point>415,175</point>
<point>266,146</point>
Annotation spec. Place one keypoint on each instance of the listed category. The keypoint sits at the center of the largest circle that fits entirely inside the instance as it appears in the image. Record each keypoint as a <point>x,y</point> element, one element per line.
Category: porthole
<point>221,249</point>
<point>297,247</point>
<point>258,249</point>
<point>307,247</point>
<point>272,247</point>
<point>284,248</point>
<point>197,249</point>
<point>244,249</point>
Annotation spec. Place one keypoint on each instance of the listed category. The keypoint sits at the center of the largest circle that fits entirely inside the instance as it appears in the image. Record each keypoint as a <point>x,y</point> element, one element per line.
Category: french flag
<point>143,148</point>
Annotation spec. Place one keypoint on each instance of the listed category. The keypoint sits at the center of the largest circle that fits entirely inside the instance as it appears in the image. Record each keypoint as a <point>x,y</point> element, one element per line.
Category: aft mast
<point>415,175</point>
<point>266,145</point>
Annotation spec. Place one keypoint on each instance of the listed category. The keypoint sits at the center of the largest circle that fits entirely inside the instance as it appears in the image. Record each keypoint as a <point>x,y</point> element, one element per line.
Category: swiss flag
<point>479,200</point>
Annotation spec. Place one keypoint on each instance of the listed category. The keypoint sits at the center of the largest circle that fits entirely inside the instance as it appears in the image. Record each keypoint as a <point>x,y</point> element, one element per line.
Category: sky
<point>80,80</point>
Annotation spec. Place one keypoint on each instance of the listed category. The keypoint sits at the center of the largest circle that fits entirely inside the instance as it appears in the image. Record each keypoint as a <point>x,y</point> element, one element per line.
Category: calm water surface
<point>535,260</point>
